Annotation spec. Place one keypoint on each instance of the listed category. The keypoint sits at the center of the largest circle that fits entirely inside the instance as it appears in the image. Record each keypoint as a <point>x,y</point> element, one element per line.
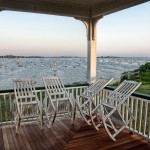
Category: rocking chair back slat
<point>24,88</point>
<point>54,85</point>
<point>97,86</point>
<point>124,90</point>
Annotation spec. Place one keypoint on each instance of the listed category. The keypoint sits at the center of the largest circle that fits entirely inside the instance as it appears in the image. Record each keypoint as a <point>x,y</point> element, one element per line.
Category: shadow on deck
<point>65,136</point>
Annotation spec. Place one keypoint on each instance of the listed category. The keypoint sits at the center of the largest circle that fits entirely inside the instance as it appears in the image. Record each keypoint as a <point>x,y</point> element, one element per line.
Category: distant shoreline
<point>12,56</point>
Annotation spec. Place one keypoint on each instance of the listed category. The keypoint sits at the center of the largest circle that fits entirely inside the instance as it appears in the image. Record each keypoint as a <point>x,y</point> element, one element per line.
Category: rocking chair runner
<point>27,102</point>
<point>85,102</point>
<point>108,112</point>
<point>57,103</point>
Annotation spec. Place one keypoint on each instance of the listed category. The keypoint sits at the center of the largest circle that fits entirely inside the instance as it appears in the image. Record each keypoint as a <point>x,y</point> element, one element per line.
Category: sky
<point>124,33</point>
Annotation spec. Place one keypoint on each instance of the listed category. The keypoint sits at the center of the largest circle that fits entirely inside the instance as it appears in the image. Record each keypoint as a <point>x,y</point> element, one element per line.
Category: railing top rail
<point>42,88</point>
<point>111,88</point>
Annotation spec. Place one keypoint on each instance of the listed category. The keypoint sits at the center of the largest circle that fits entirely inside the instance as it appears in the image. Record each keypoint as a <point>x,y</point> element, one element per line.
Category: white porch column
<point>91,46</point>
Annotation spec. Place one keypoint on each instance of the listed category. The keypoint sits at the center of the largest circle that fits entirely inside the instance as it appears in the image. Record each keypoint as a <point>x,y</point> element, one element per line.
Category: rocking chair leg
<point>18,124</point>
<point>131,132</point>
<point>93,116</point>
<point>74,115</point>
<point>94,124</point>
<point>42,120</point>
<point>108,131</point>
<point>53,120</point>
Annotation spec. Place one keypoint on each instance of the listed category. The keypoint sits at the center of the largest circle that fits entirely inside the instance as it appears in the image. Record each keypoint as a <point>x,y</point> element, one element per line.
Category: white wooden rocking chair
<point>108,112</point>
<point>85,102</point>
<point>57,103</point>
<point>27,102</point>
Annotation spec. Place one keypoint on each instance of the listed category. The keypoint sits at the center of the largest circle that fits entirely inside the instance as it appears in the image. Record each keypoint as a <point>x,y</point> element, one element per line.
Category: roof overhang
<point>73,8</point>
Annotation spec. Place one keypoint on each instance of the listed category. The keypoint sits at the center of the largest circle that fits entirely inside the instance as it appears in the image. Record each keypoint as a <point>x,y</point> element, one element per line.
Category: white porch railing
<point>139,104</point>
<point>7,102</point>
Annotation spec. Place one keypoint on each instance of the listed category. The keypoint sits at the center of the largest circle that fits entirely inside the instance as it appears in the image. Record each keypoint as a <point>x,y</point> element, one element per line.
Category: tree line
<point>142,74</point>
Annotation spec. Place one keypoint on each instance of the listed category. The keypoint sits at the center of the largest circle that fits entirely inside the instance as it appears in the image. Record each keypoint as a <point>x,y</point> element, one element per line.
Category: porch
<point>63,135</point>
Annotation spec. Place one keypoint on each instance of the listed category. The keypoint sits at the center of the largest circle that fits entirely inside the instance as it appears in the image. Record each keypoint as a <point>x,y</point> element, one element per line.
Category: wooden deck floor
<point>65,136</point>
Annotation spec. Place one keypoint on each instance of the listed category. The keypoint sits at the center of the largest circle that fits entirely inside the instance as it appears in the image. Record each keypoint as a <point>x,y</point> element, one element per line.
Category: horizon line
<point>37,56</point>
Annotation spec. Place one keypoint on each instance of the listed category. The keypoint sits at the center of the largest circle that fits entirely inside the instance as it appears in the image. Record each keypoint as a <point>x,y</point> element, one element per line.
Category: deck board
<point>10,139</point>
<point>28,136</point>
<point>5,138</point>
<point>65,136</point>
<point>1,140</point>
<point>15,141</point>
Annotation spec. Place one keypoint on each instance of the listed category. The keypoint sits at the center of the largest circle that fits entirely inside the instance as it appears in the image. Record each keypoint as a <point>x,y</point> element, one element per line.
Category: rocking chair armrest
<point>85,103</point>
<point>86,96</point>
<point>108,105</point>
<point>29,103</point>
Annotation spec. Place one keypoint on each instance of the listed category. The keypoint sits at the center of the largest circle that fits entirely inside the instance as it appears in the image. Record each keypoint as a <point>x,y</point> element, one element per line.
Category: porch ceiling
<point>74,8</point>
